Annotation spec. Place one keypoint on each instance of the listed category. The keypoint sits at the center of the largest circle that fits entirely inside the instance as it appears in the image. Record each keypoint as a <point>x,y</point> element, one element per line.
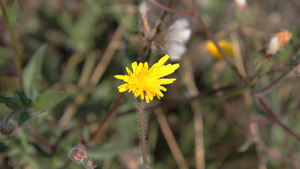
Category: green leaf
<point>12,13</point>
<point>24,116</point>
<point>24,99</point>
<point>107,151</point>
<point>11,102</point>
<point>32,70</point>
<point>48,100</point>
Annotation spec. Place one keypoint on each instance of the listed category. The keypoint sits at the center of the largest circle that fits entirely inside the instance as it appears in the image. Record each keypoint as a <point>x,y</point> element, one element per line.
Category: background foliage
<point>71,49</point>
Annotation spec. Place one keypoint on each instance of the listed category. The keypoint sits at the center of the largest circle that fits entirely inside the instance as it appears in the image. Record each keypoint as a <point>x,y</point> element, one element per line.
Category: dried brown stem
<point>276,119</point>
<point>167,132</point>
<point>106,118</point>
<point>198,119</point>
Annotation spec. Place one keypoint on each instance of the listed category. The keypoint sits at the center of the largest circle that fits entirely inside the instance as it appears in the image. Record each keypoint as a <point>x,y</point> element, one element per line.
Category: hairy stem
<point>140,111</point>
<point>15,48</point>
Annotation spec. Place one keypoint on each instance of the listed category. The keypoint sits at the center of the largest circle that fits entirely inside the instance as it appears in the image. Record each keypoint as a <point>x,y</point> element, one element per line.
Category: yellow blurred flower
<point>146,82</point>
<point>227,47</point>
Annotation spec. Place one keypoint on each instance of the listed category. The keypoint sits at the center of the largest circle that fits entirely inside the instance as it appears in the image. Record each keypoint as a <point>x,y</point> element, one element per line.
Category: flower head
<point>173,40</point>
<point>278,41</point>
<point>80,156</point>
<point>145,82</point>
<point>227,47</point>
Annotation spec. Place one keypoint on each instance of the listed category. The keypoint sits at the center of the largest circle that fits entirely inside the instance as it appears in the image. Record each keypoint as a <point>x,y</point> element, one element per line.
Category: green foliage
<point>12,12</point>
<point>32,71</point>
<point>47,100</point>
<point>62,42</point>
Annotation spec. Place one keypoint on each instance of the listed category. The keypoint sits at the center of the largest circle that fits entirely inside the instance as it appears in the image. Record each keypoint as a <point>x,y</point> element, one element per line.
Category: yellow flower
<point>146,82</point>
<point>227,47</point>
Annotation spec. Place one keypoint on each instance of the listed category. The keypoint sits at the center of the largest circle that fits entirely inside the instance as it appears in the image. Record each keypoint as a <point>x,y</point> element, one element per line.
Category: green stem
<point>140,111</point>
<point>233,93</point>
<point>15,48</point>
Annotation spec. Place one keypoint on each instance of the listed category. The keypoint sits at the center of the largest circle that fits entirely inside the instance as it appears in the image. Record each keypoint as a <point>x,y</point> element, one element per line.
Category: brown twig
<point>167,132</point>
<point>276,119</point>
<point>196,109</point>
<point>275,82</point>
<point>106,118</point>
<point>259,145</point>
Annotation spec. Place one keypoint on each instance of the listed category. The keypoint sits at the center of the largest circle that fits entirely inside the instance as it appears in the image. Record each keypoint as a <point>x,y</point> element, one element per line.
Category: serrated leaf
<point>24,116</point>
<point>48,100</point>
<point>32,70</point>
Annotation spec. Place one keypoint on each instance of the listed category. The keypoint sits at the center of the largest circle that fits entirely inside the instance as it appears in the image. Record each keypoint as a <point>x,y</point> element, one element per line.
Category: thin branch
<point>198,115</point>
<point>167,132</point>
<point>106,118</point>
<point>275,82</point>
<point>276,119</point>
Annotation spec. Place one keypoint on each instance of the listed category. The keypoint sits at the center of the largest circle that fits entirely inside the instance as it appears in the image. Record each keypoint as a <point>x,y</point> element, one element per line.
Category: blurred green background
<point>77,46</point>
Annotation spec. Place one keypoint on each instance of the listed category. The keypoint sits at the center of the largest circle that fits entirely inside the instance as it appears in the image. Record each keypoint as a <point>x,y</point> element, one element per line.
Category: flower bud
<point>78,154</point>
<point>7,128</point>
<point>278,41</point>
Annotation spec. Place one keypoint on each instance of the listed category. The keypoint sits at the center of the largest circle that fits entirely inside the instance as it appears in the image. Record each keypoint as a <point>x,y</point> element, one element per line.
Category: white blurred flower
<point>144,7</point>
<point>278,41</point>
<point>173,40</point>
<point>273,46</point>
<point>241,4</point>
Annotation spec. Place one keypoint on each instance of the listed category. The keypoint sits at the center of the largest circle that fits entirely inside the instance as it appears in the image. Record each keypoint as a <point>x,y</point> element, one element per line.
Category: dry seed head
<point>284,36</point>
<point>173,40</point>
<point>278,41</point>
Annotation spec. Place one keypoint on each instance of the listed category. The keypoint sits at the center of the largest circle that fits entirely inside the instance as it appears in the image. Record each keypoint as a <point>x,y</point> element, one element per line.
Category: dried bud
<point>7,128</point>
<point>284,36</point>
<point>278,41</point>
<point>78,153</point>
